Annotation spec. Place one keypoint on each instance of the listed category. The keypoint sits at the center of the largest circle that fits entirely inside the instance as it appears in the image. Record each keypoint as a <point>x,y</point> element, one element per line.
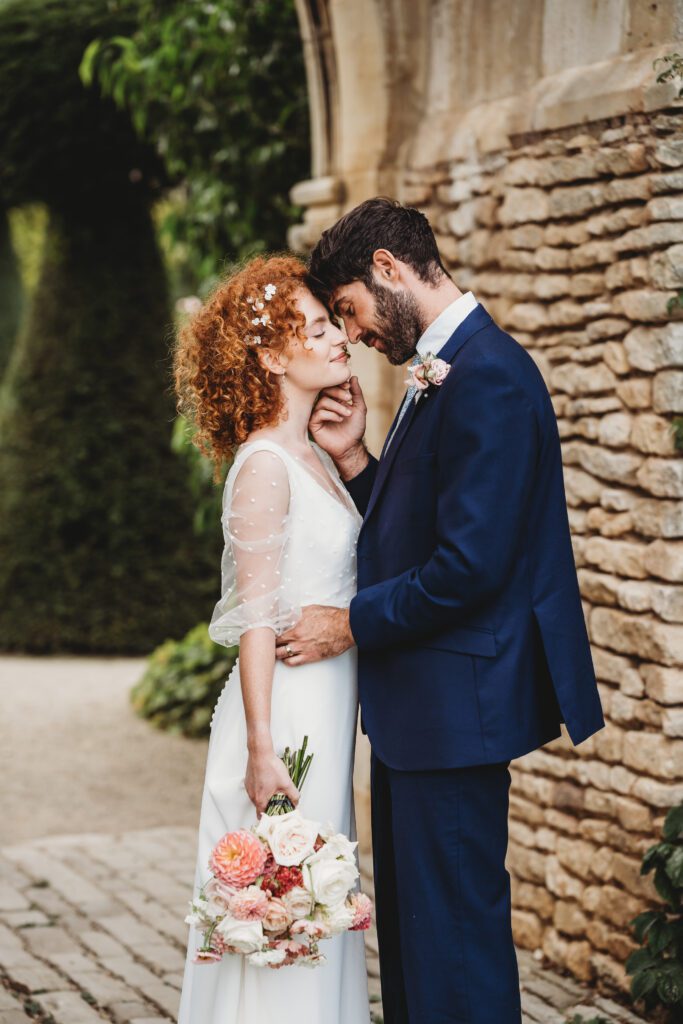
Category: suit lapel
<point>391,429</point>
<point>472,323</point>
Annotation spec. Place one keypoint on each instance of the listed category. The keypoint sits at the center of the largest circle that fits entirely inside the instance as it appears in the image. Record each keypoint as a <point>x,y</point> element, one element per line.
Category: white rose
<point>266,957</point>
<point>337,845</point>
<point>218,896</point>
<point>329,880</point>
<point>244,936</point>
<point>292,838</point>
<point>264,826</point>
<point>338,918</point>
<point>277,917</point>
<point>298,901</point>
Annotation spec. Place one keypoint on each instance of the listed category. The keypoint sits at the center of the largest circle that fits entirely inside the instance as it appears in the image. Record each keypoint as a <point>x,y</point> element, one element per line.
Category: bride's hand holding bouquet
<point>279,888</point>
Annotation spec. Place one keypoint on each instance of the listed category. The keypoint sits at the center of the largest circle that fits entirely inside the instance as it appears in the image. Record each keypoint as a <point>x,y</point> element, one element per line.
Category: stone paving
<point>91,930</point>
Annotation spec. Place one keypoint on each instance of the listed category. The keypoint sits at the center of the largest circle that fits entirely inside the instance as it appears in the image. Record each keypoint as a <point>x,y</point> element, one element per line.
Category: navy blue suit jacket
<point>472,646</point>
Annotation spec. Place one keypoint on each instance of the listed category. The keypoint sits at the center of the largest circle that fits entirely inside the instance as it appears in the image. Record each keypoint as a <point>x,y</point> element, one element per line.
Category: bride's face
<point>322,360</point>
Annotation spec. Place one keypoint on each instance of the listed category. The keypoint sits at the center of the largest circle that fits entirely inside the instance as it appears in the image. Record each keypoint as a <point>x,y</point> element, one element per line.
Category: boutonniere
<point>429,370</point>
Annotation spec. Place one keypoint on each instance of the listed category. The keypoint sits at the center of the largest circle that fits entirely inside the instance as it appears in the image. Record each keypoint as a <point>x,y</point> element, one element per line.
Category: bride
<point>248,369</point>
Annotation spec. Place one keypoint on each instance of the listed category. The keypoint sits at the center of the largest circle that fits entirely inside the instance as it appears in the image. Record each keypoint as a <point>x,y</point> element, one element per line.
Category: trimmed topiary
<point>97,551</point>
<point>63,144</point>
<point>182,683</point>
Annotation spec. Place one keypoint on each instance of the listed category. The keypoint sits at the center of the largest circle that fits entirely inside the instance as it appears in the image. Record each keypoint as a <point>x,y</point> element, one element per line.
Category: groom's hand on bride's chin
<point>321,632</point>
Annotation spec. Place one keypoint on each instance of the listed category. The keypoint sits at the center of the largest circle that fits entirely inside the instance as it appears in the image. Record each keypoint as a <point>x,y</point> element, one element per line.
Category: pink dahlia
<point>362,911</point>
<point>238,858</point>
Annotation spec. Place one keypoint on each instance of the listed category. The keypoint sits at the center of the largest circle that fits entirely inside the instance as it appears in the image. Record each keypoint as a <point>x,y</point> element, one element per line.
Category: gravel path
<point>75,757</point>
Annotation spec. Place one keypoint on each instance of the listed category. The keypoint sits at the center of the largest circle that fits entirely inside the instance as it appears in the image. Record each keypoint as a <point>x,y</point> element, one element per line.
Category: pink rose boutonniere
<point>429,370</point>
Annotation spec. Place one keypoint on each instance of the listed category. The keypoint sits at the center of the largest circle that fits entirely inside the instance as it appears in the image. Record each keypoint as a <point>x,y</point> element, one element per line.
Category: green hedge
<point>97,549</point>
<point>62,142</point>
<point>182,683</point>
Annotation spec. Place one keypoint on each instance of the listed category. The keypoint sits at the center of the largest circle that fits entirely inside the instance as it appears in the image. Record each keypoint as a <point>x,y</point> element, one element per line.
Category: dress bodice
<point>290,540</point>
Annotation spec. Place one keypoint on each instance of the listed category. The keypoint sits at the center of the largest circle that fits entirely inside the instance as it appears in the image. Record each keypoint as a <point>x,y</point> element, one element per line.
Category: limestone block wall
<point>573,240</point>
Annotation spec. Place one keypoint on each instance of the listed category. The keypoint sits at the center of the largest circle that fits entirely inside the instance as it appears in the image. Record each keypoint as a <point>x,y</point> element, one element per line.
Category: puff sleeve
<point>256,526</point>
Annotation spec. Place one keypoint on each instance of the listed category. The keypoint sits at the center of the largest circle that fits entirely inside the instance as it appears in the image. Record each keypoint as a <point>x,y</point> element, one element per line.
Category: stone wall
<point>573,240</point>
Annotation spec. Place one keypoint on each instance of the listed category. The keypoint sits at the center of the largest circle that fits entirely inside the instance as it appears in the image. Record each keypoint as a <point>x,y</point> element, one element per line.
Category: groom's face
<point>387,319</point>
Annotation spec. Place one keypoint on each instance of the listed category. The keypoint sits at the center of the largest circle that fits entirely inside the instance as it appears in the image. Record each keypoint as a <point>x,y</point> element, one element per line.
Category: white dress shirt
<point>440,330</point>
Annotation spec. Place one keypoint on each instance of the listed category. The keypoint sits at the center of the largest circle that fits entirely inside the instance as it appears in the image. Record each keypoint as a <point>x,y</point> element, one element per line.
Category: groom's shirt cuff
<point>360,487</point>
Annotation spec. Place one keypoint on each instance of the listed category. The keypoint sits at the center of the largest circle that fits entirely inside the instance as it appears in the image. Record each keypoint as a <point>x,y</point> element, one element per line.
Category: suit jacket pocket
<point>464,640</point>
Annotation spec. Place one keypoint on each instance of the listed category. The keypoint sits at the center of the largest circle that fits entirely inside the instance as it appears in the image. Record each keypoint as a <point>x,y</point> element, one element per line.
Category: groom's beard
<point>398,323</point>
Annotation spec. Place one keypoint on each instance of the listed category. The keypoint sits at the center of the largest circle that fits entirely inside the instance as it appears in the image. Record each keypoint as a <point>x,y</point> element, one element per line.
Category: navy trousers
<point>443,895</point>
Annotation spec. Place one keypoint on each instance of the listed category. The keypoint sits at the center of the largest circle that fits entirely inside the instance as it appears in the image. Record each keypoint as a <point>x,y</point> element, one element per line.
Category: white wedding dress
<point>290,540</point>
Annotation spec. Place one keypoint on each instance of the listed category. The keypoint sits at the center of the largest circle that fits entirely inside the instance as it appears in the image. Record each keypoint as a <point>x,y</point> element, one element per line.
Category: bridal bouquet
<point>280,887</point>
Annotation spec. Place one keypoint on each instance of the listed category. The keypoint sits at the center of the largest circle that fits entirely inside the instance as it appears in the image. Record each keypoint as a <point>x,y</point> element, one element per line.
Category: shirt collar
<point>441,329</point>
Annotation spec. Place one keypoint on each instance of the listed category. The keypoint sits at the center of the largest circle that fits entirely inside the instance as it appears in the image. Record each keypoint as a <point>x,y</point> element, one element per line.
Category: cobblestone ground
<point>91,930</point>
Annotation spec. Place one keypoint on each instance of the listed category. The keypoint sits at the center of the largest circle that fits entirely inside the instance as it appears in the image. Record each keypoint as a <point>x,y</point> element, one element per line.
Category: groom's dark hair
<point>344,253</point>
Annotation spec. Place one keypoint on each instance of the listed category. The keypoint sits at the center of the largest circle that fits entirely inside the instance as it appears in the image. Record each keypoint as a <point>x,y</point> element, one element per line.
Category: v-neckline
<point>309,472</point>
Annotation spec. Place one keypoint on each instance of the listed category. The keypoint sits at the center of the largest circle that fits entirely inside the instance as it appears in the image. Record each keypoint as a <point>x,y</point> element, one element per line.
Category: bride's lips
<point>343,357</point>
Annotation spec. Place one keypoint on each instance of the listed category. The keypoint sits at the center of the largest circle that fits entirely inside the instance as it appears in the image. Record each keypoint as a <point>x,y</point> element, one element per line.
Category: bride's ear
<point>274,362</point>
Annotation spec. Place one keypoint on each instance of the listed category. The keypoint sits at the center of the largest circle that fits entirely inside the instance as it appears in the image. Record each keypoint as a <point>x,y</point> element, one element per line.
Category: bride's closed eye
<point>321,327</point>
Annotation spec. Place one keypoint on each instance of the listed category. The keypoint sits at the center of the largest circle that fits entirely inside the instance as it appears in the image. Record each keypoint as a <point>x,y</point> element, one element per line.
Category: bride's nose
<point>340,337</point>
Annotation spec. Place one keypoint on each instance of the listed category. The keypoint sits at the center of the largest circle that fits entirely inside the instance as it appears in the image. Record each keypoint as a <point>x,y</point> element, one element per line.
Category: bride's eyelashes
<point>322,330</point>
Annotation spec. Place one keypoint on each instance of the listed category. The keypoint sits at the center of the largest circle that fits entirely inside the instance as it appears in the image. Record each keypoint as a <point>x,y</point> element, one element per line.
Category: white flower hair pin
<point>429,370</point>
<point>257,307</point>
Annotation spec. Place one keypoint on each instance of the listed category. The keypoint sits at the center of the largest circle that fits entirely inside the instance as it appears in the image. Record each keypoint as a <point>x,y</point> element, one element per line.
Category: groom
<point>471,639</point>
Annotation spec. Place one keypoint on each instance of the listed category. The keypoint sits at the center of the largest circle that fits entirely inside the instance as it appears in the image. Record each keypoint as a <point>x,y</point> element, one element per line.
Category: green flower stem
<point>208,935</point>
<point>297,764</point>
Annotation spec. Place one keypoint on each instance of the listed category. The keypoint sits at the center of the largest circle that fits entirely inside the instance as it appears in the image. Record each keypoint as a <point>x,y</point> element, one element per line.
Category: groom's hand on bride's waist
<point>321,632</point>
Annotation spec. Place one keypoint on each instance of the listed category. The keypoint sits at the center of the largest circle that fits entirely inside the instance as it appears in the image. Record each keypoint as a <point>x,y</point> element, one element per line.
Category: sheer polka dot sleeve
<point>256,528</point>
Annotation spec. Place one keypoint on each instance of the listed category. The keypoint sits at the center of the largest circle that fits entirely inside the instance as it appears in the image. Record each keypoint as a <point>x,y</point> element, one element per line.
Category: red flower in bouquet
<point>285,879</point>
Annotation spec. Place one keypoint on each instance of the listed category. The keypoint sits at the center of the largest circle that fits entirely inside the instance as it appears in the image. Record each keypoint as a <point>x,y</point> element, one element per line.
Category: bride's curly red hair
<point>222,386</point>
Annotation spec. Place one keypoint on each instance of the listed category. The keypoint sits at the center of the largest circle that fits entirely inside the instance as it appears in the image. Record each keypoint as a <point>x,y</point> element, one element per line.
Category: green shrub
<point>182,683</point>
<point>97,550</point>
<point>63,144</point>
<point>657,968</point>
<point>220,88</point>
